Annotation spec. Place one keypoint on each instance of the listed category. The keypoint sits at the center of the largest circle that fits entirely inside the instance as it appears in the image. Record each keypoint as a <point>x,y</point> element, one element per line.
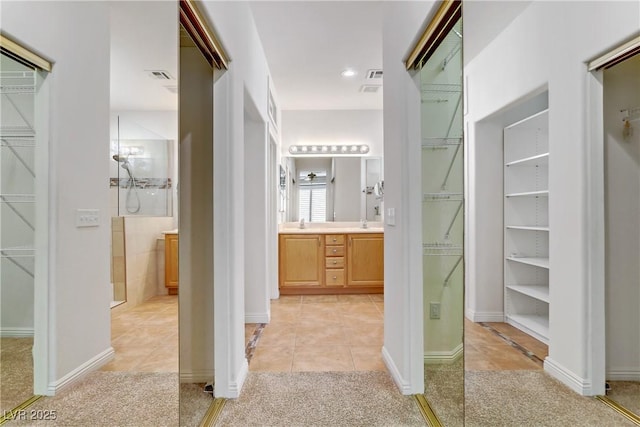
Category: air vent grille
<point>374,74</point>
<point>369,88</point>
<point>159,75</point>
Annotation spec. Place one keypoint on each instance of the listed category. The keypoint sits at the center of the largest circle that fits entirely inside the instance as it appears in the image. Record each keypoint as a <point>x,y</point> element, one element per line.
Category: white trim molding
<point>484,316</point>
<point>623,374</point>
<point>233,387</point>
<point>443,357</point>
<point>89,366</point>
<point>257,317</point>
<point>405,387</point>
<point>579,385</point>
<point>16,332</point>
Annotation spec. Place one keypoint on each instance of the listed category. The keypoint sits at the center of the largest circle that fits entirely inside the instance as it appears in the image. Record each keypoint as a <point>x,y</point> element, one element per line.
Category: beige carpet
<point>194,403</point>
<point>627,394</point>
<point>16,372</point>
<point>320,399</point>
<point>444,389</point>
<point>137,399</point>
<point>530,398</point>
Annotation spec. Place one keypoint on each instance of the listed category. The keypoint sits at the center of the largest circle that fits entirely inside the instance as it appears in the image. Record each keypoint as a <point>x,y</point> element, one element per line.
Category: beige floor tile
<point>365,334</point>
<point>287,299</point>
<point>343,299</point>
<point>278,335</point>
<point>272,359</point>
<point>368,358</point>
<point>311,336</point>
<point>312,299</point>
<point>322,359</point>
<point>377,297</point>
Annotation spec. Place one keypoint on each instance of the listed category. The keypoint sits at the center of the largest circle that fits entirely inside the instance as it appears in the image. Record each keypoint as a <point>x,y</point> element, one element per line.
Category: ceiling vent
<point>369,88</point>
<point>159,75</point>
<point>374,74</point>
<point>172,89</point>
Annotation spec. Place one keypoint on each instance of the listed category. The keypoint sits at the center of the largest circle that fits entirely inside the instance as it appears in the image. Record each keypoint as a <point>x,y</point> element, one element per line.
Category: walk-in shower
<point>132,203</point>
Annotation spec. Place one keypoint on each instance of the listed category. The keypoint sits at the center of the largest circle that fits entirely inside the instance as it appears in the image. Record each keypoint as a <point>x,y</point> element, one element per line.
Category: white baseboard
<point>257,317</point>
<point>484,316</point>
<point>404,387</point>
<point>568,378</point>
<point>200,376</point>
<point>623,374</point>
<point>236,386</point>
<point>82,370</point>
<point>443,357</point>
<point>16,332</point>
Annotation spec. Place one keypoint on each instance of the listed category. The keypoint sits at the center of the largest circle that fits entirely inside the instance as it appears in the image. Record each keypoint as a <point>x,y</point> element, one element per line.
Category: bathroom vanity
<point>171,273</point>
<point>331,260</point>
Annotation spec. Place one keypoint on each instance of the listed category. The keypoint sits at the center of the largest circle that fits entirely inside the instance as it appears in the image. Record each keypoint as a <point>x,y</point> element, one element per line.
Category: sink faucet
<point>301,222</point>
<point>363,223</point>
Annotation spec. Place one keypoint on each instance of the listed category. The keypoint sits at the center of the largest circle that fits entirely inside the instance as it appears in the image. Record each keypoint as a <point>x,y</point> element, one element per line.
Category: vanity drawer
<point>334,277</point>
<point>332,251</point>
<point>334,239</point>
<point>334,262</point>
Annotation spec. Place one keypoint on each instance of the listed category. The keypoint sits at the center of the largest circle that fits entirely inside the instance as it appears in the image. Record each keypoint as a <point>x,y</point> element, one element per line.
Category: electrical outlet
<point>87,217</point>
<point>434,310</point>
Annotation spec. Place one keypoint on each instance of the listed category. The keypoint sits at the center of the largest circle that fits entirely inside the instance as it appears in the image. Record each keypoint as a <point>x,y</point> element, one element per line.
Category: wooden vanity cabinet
<point>171,273</point>
<point>331,263</point>
<point>301,263</point>
<point>365,255</point>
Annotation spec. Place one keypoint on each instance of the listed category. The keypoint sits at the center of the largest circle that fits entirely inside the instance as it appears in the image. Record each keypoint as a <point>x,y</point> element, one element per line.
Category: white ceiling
<point>144,36</point>
<point>308,45</point>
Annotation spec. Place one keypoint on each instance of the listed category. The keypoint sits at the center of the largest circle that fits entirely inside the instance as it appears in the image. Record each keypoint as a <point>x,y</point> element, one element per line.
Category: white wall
<point>622,228</point>
<point>332,127</point>
<point>547,45</point>
<point>403,342</point>
<point>247,76</point>
<point>76,37</point>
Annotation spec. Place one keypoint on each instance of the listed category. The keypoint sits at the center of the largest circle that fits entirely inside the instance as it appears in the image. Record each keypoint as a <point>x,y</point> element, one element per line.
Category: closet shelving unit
<point>526,220</point>
<point>17,180</point>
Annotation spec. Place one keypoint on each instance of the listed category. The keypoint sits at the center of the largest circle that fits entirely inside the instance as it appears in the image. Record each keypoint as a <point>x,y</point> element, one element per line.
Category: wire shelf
<point>441,88</point>
<point>17,198</point>
<point>442,143</point>
<point>441,249</point>
<point>442,197</point>
<point>12,82</point>
<point>17,141</point>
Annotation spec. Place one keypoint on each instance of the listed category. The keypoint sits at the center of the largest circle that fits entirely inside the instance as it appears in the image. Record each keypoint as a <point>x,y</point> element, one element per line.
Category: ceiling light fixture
<point>351,149</point>
<point>348,73</point>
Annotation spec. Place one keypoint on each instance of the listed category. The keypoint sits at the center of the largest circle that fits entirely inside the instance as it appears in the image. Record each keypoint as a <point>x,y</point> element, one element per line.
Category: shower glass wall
<point>443,228</point>
<point>140,172</point>
<point>17,226</point>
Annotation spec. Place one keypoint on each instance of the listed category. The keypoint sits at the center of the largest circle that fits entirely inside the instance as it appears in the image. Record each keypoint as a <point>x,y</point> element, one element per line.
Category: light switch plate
<point>87,217</point>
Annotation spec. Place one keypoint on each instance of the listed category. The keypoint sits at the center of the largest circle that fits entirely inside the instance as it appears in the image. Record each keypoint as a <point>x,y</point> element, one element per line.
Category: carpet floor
<point>531,398</point>
<point>627,394</point>
<point>16,371</point>
<point>320,399</point>
<point>140,399</point>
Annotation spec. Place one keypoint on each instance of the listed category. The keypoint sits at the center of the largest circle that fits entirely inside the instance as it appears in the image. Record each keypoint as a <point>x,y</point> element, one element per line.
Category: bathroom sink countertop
<point>330,228</point>
<point>175,231</point>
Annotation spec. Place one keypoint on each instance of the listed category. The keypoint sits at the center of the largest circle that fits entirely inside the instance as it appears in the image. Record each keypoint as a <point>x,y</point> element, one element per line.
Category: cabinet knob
<point>335,262</point>
<point>335,277</point>
<point>335,250</point>
<point>335,240</point>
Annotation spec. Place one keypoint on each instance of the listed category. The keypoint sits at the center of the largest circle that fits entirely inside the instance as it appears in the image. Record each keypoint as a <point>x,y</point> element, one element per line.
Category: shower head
<point>125,162</point>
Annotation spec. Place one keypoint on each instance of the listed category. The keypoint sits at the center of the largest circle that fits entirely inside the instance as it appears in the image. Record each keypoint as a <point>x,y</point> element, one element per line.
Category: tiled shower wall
<point>140,237</point>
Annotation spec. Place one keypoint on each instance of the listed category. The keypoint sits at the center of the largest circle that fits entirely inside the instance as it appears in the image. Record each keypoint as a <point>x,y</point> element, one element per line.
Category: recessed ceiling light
<point>348,73</point>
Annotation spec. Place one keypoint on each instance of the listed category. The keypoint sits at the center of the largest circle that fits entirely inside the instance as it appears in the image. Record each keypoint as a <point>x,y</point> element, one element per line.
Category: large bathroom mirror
<point>327,189</point>
<point>443,228</point>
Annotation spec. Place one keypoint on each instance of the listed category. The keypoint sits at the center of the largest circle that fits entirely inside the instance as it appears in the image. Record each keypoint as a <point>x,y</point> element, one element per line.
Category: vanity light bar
<point>354,149</point>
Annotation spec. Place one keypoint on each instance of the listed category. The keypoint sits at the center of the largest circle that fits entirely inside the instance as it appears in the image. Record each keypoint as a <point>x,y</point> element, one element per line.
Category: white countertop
<point>175,231</point>
<point>329,228</point>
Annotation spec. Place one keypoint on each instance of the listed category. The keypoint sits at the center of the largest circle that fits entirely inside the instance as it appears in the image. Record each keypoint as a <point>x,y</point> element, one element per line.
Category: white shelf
<point>535,325</point>
<point>535,261</point>
<point>539,292</point>
<point>528,227</point>
<point>442,197</point>
<point>539,193</point>
<point>538,119</point>
<point>537,160</point>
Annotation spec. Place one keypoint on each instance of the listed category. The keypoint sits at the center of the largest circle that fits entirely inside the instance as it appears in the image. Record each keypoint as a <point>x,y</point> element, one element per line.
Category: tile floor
<point>306,333</point>
<point>145,338</point>
<point>322,333</point>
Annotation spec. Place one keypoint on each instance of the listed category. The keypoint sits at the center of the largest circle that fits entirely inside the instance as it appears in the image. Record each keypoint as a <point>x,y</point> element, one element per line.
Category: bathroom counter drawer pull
<point>334,239</point>
<point>334,277</point>
<point>334,251</point>
<point>334,262</point>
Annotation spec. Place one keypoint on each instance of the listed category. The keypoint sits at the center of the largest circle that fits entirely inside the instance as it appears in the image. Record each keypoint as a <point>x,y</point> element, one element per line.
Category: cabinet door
<point>171,262</point>
<point>301,260</point>
<point>365,258</point>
